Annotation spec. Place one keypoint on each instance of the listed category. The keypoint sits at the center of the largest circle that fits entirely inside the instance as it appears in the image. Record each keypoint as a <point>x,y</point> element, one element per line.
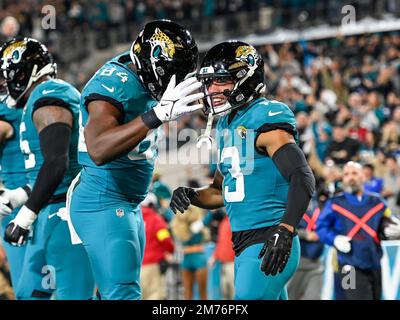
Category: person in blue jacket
<point>307,281</point>
<point>355,222</point>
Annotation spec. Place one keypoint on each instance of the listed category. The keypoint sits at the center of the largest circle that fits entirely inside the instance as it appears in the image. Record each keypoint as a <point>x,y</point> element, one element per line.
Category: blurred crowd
<point>84,26</point>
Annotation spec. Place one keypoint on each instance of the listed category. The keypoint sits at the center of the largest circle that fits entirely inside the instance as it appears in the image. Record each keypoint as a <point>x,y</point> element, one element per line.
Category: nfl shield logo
<point>120,212</point>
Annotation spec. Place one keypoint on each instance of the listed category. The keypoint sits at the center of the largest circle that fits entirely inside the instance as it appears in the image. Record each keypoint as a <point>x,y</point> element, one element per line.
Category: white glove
<point>196,226</point>
<point>342,243</point>
<point>11,199</point>
<point>176,99</point>
<point>18,229</point>
<point>392,231</point>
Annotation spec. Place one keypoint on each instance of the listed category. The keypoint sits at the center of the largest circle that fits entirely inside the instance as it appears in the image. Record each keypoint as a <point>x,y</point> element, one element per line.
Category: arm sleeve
<point>54,144</point>
<point>293,166</point>
<point>325,224</point>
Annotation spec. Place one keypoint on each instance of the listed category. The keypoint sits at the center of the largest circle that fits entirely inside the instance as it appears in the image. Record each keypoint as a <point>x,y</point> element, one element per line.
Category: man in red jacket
<point>159,247</point>
<point>225,254</point>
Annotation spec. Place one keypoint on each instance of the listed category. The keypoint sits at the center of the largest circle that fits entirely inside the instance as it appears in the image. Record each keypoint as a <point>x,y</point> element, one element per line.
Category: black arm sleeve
<point>293,166</point>
<point>54,144</point>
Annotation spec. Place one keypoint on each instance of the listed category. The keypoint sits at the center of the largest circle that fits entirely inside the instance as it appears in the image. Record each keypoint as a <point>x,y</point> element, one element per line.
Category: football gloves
<point>18,229</point>
<point>176,99</point>
<point>276,250</point>
<point>181,199</point>
<point>11,199</point>
<point>392,230</point>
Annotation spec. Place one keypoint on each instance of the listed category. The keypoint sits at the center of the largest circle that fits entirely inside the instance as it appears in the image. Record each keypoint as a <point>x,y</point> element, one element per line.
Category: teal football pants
<point>252,284</point>
<point>52,264</point>
<point>15,255</point>
<point>112,232</point>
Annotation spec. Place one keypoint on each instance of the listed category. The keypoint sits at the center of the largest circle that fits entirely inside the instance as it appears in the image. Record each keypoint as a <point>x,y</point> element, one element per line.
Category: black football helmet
<point>23,62</point>
<point>162,49</point>
<point>234,61</point>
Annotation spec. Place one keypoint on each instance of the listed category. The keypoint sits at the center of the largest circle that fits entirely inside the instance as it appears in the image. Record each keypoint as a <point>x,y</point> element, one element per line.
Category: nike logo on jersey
<point>108,88</point>
<point>276,238</point>
<point>271,114</point>
<point>52,215</point>
<point>47,91</point>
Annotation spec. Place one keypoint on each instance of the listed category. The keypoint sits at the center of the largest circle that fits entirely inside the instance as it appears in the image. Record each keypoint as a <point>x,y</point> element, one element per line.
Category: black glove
<point>181,199</point>
<point>276,250</point>
<point>15,234</point>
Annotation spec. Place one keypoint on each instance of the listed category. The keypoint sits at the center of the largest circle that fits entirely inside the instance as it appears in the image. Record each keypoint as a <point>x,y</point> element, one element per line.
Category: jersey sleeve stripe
<point>49,102</point>
<point>95,96</point>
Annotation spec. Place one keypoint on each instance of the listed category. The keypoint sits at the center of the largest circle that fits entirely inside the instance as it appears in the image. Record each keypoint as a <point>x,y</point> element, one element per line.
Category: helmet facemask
<point>235,97</point>
<point>212,106</point>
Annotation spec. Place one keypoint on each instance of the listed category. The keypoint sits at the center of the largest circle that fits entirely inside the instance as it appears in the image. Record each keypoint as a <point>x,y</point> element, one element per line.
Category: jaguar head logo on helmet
<point>162,49</point>
<point>232,74</point>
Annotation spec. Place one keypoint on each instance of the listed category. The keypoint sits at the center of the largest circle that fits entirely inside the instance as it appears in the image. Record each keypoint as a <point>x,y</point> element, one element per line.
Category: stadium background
<point>341,79</point>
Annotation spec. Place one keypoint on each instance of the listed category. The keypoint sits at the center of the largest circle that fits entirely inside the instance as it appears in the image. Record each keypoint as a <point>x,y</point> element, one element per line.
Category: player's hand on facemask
<point>18,229</point>
<point>11,199</point>
<point>342,243</point>
<point>176,99</point>
<point>276,250</point>
<point>181,199</point>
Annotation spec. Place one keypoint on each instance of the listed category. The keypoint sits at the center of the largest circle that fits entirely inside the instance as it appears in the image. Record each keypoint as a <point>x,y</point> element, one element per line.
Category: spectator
<point>9,28</point>
<point>163,194</point>
<point>371,183</point>
<point>354,222</point>
<point>307,282</point>
<point>190,229</point>
<point>342,148</point>
<point>225,255</point>
<point>158,250</point>
<point>356,130</point>
<point>322,133</point>
<point>390,132</point>
<point>392,185</point>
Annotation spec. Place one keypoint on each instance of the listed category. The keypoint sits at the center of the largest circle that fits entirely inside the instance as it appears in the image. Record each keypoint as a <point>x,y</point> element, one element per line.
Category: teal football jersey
<point>129,175</point>
<point>11,159</point>
<point>51,92</point>
<point>254,191</point>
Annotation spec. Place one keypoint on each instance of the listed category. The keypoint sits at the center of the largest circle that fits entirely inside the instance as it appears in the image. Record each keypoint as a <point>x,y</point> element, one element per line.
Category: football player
<point>122,106</point>
<point>13,177</point>
<point>263,178</point>
<point>48,140</point>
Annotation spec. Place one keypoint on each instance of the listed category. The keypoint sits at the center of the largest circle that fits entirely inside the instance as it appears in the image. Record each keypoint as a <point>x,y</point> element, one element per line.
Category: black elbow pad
<point>54,144</point>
